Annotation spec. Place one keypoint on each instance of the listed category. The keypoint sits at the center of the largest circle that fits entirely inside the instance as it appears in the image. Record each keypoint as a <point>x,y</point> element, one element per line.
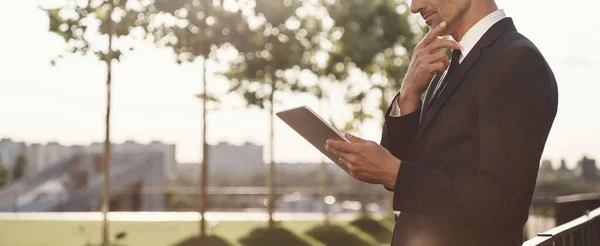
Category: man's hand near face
<point>428,60</point>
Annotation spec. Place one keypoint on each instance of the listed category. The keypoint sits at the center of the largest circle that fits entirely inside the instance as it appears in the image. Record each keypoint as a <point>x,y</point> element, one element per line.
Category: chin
<point>432,23</point>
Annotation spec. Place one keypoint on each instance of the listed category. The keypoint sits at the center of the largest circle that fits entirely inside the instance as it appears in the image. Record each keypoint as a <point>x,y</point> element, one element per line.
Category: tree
<point>373,37</point>
<point>80,23</point>
<point>178,202</point>
<point>203,28</point>
<point>20,168</point>
<point>375,40</point>
<point>271,58</point>
<point>4,174</point>
<point>324,178</point>
<point>370,37</point>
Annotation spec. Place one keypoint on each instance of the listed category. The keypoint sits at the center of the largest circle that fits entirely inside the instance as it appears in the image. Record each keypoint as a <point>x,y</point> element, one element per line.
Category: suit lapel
<point>457,77</point>
<point>451,84</point>
<point>428,97</point>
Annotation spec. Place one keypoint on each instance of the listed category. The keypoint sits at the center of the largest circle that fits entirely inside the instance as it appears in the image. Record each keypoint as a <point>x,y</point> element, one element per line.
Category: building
<point>44,156</point>
<point>332,169</point>
<point>227,165</point>
<point>9,151</point>
<point>235,160</point>
<point>168,150</point>
<point>76,184</point>
<point>587,170</point>
<point>225,158</point>
<point>546,172</point>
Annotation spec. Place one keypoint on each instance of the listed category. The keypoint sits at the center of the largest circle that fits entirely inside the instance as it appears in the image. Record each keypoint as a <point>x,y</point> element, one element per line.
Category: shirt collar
<point>477,31</point>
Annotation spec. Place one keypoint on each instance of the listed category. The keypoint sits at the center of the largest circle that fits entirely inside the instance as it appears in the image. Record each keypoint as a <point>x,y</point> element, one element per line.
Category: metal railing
<point>582,231</point>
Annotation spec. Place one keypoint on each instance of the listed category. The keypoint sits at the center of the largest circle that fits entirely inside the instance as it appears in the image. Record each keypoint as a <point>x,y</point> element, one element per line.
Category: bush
<point>374,228</point>
<point>276,236</point>
<point>100,244</point>
<point>178,202</point>
<point>203,241</point>
<point>389,219</point>
<point>334,235</point>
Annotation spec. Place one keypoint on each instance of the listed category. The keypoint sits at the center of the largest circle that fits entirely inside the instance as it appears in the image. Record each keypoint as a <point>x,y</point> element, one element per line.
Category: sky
<point>153,97</point>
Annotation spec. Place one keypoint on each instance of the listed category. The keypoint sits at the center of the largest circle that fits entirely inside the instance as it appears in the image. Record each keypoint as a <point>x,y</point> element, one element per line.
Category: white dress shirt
<point>471,37</point>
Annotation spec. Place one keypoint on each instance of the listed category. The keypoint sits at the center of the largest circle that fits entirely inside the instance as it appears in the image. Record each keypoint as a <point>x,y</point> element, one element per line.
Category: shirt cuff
<point>395,112</point>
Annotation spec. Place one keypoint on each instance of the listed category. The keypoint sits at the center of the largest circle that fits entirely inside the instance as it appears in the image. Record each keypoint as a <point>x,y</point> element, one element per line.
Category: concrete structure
<point>9,151</point>
<point>332,169</point>
<point>168,151</point>
<point>225,158</point>
<point>44,156</point>
<point>587,169</point>
<point>137,183</point>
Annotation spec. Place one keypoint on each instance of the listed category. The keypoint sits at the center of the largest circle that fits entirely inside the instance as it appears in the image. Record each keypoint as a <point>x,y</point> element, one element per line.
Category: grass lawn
<point>79,233</point>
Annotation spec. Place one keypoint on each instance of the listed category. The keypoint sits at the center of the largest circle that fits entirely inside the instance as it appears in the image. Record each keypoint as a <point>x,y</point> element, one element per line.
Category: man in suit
<point>462,162</point>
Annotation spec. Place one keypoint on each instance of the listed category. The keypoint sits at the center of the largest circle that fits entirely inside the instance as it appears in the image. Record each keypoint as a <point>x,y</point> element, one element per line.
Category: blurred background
<point>162,110</point>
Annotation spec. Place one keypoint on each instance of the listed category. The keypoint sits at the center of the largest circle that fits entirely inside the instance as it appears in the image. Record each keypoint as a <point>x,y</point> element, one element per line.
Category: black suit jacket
<point>469,167</point>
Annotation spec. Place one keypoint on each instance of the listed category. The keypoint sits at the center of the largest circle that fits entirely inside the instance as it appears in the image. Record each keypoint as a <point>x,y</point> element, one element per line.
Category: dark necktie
<point>438,90</point>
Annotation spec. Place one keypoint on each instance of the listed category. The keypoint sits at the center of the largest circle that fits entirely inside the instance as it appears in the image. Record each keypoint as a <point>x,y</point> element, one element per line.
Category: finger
<point>444,60</point>
<point>439,56</point>
<point>340,146</point>
<point>346,157</point>
<point>348,165</point>
<point>335,152</point>
<point>434,33</point>
<point>436,63</point>
<point>354,139</point>
<point>441,43</point>
<point>438,68</point>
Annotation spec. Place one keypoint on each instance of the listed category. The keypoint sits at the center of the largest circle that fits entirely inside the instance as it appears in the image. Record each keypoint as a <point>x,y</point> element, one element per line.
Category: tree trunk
<point>363,200</point>
<point>106,159</point>
<point>271,195</point>
<point>324,192</point>
<point>203,172</point>
<point>324,181</point>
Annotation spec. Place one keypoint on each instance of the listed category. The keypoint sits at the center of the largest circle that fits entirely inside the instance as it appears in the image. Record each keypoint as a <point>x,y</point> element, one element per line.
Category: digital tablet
<point>313,128</point>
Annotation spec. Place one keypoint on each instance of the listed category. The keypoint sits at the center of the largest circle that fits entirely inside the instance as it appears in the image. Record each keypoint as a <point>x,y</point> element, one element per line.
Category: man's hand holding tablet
<point>314,129</point>
<point>364,160</point>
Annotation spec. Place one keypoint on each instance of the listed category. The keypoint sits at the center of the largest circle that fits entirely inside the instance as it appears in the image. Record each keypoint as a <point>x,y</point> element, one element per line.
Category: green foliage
<point>4,174</point>
<point>272,237</point>
<point>370,28</point>
<point>334,235</point>
<point>194,29</point>
<point>213,240</point>
<point>374,228</point>
<point>389,219</point>
<point>201,27</point>
<point>79,21</point>
<point>374,38</point>
<point>20,168</point>
<point>178,202</point>
<point>139,233</point>
<point>274,49</point>
<point>111,244</point>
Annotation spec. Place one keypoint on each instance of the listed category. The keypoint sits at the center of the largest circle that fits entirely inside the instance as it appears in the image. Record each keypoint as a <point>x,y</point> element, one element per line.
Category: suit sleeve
<point>399,133</point>
<point>516,104</point>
